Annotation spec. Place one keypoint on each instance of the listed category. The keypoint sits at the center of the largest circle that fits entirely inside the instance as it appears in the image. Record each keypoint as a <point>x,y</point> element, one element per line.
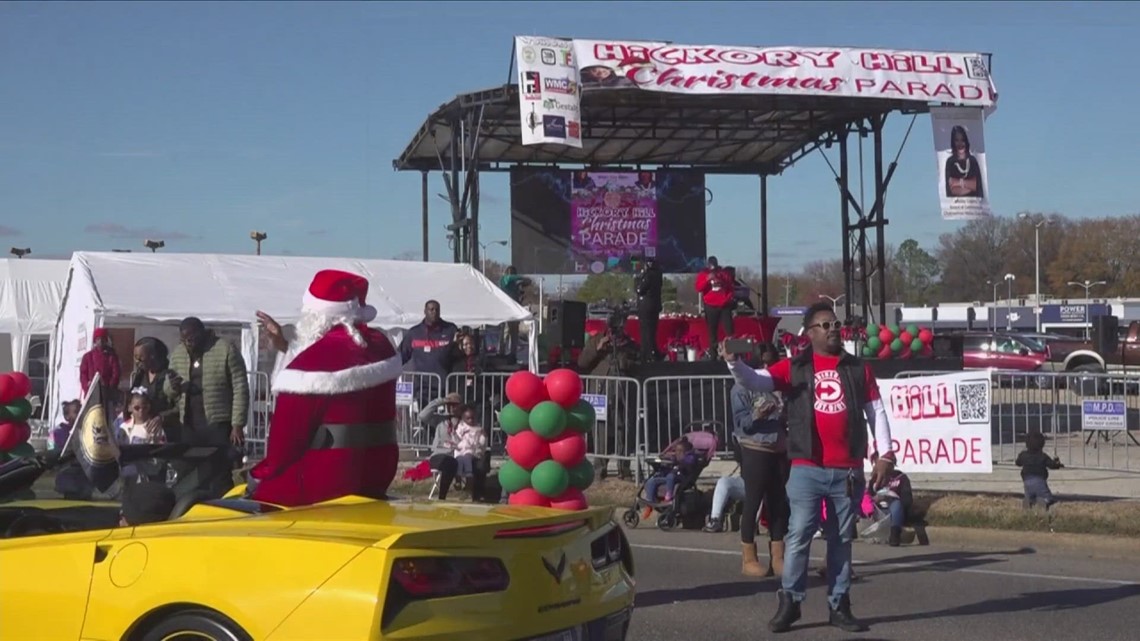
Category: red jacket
<point>105,363</point>
<point>715,287</point>
<point>334,381</point>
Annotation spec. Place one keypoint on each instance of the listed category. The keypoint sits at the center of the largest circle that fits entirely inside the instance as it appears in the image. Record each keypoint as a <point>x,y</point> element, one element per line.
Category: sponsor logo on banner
<point>573,129</point>
<point>549,57</point>
<point>554,104</point>
<point>532,85</point>
<point>960,149</point>
<point>940,424</point>
<point>560,85</point>
<point>528,55</point>
<point>567,57</point>
<point>553,126</point>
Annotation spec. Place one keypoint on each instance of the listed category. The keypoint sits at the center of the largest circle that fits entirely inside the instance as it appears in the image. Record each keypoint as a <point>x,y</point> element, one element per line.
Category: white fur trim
<point>334,309</point>
<point>353,379</point>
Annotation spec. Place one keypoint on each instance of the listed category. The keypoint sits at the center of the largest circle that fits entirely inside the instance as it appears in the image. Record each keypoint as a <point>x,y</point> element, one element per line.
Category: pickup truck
<point>1082,356</point>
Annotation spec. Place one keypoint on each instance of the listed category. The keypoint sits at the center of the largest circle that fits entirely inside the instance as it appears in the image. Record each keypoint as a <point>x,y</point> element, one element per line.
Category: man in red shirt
<point>717,292</point>
<point>101,360</point>
<point>832,401</point>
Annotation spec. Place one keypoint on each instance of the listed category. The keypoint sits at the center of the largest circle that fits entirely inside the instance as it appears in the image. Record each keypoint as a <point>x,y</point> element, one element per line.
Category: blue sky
<point>197,122</point>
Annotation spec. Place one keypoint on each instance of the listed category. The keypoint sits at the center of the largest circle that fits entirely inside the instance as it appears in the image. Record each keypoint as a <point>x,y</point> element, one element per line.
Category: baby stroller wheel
<point>631,518</point>
<point>667,520</point>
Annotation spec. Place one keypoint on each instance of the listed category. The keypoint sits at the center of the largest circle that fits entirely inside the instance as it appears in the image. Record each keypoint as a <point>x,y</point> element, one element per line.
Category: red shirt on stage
<point>715,287</point>
<point>830,447</point>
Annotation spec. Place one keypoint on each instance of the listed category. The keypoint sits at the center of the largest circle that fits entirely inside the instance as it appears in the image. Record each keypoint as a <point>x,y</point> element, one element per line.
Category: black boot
<point>842,618</point>
<point>895,538</point>
<point>787,613</point>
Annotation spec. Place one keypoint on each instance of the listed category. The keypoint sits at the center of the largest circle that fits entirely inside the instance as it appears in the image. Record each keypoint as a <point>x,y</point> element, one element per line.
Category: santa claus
<point>333,431</point>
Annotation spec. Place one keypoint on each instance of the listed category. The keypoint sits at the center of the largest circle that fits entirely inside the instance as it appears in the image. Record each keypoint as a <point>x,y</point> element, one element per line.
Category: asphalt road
<point>690,589</point>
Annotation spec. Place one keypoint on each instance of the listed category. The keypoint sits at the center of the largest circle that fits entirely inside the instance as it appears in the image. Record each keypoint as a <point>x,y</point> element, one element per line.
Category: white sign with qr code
<point>940,424</point>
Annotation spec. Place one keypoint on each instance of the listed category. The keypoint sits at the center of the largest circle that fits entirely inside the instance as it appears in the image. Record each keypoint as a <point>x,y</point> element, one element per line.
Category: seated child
<point>70,481</point>
<point>139,428</point>
<point>1035,465</point>
<point>680,462</point>
<point>470,443</point>
<point>146,502</point>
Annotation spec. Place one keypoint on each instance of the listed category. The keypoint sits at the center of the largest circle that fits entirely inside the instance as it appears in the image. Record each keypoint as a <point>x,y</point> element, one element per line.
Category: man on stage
<point>333,431</point>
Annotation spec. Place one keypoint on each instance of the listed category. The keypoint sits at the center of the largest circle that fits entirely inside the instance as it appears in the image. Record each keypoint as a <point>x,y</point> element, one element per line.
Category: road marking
<point>912,566</point>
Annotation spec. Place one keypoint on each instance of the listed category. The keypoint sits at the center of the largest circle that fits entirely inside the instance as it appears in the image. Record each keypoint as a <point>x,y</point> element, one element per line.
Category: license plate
<point>573,634</point>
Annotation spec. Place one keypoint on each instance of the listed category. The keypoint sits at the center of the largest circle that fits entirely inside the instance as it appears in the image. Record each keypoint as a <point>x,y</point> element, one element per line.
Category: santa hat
<point>338,294</point>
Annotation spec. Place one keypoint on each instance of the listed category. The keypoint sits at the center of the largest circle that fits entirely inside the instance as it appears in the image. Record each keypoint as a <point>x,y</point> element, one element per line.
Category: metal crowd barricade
<point>1052,403</point>
<point>260,411</point>
<point>672,404</point>
<point>618,403</point>
<point>414,392</point>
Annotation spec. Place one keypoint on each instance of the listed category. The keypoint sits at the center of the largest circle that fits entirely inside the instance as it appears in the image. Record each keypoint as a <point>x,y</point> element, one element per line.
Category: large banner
<point>554,71</point>
<point>940,424</point>
<point>613,214</point>
<point>960,146</point>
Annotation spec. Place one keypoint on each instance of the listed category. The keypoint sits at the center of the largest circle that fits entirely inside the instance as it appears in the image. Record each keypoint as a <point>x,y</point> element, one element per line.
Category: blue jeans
<point>728,488</point>
<point>652,485</point>
<point>807,486</point>
<point>898,513</point>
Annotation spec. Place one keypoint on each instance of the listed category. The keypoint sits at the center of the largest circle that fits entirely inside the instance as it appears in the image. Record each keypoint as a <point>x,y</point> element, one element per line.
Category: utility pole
<point>257,237</point>
<point>787,292</point>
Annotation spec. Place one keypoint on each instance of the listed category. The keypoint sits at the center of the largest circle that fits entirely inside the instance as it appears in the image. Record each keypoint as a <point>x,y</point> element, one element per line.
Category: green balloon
<point>582,475</point>
<point>549,479</point>
<point>513,419</point>
<point>23,450</point>
<point>896,345</point>
<point>872,330</point>
<point>868,352</point>
<point>894,330</point>
<point>5,417</point>
<point>19,410</point>
<point>548,419</point>
<point>581,417</point>
<point>916,345</point>
<point>912,329</point>
<point>875,343</point>
<point>513,477</point>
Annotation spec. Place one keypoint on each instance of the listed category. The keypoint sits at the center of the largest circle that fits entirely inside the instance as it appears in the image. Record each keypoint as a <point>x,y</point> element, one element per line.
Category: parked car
<point>1005,352</point>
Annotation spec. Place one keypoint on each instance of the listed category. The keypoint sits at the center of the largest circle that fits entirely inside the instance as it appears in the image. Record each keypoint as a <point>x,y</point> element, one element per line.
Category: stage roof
<point>719,134</point>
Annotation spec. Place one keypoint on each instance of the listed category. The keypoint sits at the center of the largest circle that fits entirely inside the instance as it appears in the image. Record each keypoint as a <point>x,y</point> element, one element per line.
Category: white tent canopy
<point>30,295</point>
<point>126,289</point>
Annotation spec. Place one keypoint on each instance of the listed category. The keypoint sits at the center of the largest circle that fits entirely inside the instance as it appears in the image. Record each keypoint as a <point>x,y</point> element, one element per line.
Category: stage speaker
<point>566,323</point>
<point>946,346</point>
<point>1105,334</point>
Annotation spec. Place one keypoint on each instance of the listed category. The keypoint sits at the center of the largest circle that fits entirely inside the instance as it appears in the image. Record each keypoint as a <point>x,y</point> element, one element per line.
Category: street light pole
<point>20,252</point>
<point>154,245</point>
<point>993,321</point>
<point>257,237</point>
<point>1087,285</point>
<point>1036,262</point>
<point>1009,278</point>
<point>835,300</point>
<point>483,257</point>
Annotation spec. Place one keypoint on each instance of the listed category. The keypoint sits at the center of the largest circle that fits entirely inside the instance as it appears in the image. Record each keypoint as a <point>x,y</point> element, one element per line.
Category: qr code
<point>974,402</point>
<point>976,68</point>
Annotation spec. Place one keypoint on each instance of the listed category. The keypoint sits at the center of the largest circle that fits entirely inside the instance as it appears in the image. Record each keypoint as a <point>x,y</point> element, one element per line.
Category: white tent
<point>30,296</point>
<point>153,291</point>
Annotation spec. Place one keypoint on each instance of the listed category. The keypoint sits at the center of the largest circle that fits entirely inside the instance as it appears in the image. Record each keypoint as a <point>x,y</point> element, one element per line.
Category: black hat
<point>147,502</point>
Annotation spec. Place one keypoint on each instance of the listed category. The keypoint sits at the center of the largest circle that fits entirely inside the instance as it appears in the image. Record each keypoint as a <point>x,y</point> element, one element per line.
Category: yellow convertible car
<point>352,569</point>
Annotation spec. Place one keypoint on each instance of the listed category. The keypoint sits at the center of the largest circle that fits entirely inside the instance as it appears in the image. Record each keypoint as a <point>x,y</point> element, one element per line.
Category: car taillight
<point>607,550</point>
<point>438,577</point>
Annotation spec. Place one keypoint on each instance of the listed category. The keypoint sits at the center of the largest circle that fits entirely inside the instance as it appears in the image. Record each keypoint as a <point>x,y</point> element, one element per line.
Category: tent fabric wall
<point>119,289</point>
<point>30,295</point>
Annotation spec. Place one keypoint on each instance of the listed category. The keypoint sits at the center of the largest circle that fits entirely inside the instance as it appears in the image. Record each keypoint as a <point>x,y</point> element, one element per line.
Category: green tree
<point>610,287</point>
<point>915,273</point>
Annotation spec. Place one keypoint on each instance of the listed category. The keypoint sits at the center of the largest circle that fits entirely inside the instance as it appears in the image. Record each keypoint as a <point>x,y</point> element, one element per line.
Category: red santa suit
<point>333,431</point>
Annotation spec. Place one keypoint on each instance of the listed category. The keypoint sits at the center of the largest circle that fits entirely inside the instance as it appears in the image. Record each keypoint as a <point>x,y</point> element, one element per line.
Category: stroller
<point>668,514</point>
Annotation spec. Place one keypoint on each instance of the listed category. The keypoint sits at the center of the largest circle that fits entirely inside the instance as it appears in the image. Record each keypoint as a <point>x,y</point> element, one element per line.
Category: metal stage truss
<point>756,135</point>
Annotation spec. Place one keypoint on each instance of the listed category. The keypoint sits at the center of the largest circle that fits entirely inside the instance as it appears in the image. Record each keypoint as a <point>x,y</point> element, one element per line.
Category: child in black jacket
<point>1035,465</point>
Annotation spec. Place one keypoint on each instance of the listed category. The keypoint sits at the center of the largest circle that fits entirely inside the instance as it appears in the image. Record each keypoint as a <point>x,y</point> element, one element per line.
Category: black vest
<point>800,402</point>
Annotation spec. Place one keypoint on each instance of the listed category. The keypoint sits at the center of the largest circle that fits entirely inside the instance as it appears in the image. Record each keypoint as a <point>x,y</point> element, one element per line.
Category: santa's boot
<point>751,565</point>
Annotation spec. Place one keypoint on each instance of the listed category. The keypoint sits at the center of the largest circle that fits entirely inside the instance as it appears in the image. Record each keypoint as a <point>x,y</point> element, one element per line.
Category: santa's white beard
<point>312,327</point>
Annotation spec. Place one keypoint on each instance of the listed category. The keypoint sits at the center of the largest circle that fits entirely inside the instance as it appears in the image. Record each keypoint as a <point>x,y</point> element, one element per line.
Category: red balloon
<point>10,434</point>
<point>527,449</point>
<point>886,336</point>
<point>572,499</point>
<point>528,496</point>
<point>927,350</point>
<point>564,387</point>
<point>905,337</point>
<point>925,335</point>
<point>7,389</point>
<point>526,390</point>
<point>905,353</point>
<point>885,353</point>
<point>568,448</point>
<point>22,383</point>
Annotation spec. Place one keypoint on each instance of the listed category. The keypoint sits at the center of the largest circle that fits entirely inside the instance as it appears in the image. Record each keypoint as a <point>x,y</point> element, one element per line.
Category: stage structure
<point>748,132</point>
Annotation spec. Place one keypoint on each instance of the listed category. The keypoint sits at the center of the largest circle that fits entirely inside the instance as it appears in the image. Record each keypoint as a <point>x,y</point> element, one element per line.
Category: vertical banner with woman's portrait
<point>960,145</point>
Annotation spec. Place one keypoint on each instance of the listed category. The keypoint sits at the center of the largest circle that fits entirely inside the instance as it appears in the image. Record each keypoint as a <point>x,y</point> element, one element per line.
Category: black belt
<point>335,436</point>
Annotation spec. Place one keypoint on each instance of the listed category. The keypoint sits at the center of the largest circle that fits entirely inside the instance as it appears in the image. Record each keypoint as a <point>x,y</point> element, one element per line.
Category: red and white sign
<point>960,78</point>
<point>940,424</point>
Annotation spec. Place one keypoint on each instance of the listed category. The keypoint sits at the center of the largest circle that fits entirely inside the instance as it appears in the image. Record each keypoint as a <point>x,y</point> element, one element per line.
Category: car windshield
<point>1034,343</point>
